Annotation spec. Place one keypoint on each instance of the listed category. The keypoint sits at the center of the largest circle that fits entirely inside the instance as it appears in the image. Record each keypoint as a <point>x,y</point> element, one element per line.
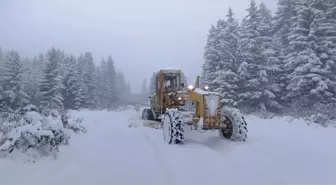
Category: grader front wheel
<point>233,125</point>
<point>173,127</point>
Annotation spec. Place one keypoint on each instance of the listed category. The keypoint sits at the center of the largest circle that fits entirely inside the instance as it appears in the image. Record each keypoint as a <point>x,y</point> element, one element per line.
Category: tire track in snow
<point>194,154</point>
<point>195,142</point>
<point>217,147</point>
<point>167,172</point>
<point>185,157</point>
<point>212,141</point>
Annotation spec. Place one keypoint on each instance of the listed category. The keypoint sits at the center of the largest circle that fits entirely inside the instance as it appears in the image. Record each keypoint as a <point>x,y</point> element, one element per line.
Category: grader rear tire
<point>233,125</point>
<point>173,127</point>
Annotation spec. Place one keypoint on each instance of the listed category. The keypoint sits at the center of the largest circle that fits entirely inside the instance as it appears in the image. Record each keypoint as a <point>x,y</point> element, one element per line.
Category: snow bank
<point>296,120</point>
<point>34,136</point>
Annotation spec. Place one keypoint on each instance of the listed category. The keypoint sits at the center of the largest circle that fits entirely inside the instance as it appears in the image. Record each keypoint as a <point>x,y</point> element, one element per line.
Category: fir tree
<point>152,84</point>
<point>251,49</point>
<point>99,78</point>
<point>322,39</point>
<point>282,22</point>
<point>211,56</point>
<point>111,83</point>
<point>227,79</point>
<point>71,92</point>
<point>103,84</point>
<point>14,96</point>
<point>144,91</point>
<point>1,60</point>
<point>88,75</point>
<point>51,84</point>
<point>300,58</point>
<point>35,78</point>
<point>271,86</point>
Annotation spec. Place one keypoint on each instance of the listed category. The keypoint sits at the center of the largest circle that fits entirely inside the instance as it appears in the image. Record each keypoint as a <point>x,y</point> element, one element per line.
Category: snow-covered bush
<point>74,125</point>
<point>121,108</point>
<point>30,132</point>
<point>320,113</point>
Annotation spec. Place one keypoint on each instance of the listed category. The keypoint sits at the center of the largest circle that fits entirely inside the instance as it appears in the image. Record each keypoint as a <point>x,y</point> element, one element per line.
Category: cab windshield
<point>171,82</point>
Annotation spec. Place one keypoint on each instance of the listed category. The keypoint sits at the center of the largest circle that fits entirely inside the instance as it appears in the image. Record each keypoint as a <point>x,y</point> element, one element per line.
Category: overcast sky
<point>142,36</point>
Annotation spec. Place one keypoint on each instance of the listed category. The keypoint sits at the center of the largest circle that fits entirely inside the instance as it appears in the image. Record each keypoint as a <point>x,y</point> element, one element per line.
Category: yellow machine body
<point>171,92</point>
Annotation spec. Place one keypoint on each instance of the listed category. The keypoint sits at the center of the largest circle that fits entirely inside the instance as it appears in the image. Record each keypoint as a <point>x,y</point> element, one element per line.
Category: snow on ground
<point>277,152</point>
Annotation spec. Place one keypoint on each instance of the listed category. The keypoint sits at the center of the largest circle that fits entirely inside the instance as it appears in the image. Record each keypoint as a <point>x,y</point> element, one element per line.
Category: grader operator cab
<point>171,95</point>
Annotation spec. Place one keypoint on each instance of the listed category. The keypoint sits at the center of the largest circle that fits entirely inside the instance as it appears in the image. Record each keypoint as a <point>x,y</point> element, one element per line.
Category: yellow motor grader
<point>167,106</point>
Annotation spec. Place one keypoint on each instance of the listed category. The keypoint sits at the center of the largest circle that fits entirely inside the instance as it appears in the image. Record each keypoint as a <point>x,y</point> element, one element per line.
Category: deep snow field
<point>277,152</point>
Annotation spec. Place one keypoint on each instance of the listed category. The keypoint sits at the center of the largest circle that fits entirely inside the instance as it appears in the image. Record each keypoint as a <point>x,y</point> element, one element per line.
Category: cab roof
<point>170,71</point>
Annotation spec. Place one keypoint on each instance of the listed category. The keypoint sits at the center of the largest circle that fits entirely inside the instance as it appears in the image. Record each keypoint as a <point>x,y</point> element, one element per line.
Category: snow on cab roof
<point>170,70</point>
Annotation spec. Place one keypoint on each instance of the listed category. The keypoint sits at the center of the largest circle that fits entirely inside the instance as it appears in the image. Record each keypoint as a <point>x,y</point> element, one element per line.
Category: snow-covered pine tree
<point>122,90</point>
<point>202,77</point>
<point>28,83</point>
<point>322,38</point>
<point>14,96</point>
<point>184,80</point>
<point>272,86</point>
<point>227,80</point>
<point>129,90</point>
<point>71,93</point>
<point>282,22</point>
<point>152,84</point>
<point>81,71</point>
<point>103,97</point>
<point>111,83</point>
<point>81,85</point>
<point>63,63</point>
<point>306,81</point>
<point>2,102</point>
<point>99,77</point>
<point>144,91</point>
<point>51,84</point>
<point>1,72</point>
<point>331,14</point>
<point>211,57</point>
<point>89,81</point>
<point>1,59</point>
<point>265,27</point>
<point>33,78</point>
<point>37,69</point>
<point>251,51</point>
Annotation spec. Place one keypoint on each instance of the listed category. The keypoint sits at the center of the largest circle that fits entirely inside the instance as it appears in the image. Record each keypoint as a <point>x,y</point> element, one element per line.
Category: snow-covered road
<point>277,152</point>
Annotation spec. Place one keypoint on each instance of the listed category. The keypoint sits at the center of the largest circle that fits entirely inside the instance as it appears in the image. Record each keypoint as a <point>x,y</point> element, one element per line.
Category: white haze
<point>141,35</point>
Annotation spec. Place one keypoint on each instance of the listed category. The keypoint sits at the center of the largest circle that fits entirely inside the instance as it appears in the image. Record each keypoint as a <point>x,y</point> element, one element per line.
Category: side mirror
<point>149,97</point>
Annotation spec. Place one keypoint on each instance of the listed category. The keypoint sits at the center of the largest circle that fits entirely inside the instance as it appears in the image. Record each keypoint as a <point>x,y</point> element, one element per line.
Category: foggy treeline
<point>57,80</point>
<point>283,63</point>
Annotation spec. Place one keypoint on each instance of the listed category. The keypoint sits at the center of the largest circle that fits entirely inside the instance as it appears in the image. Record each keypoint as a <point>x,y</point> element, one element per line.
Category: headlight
<point>206,87</point>
<point>179,98</point>
<point>190,87</point>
